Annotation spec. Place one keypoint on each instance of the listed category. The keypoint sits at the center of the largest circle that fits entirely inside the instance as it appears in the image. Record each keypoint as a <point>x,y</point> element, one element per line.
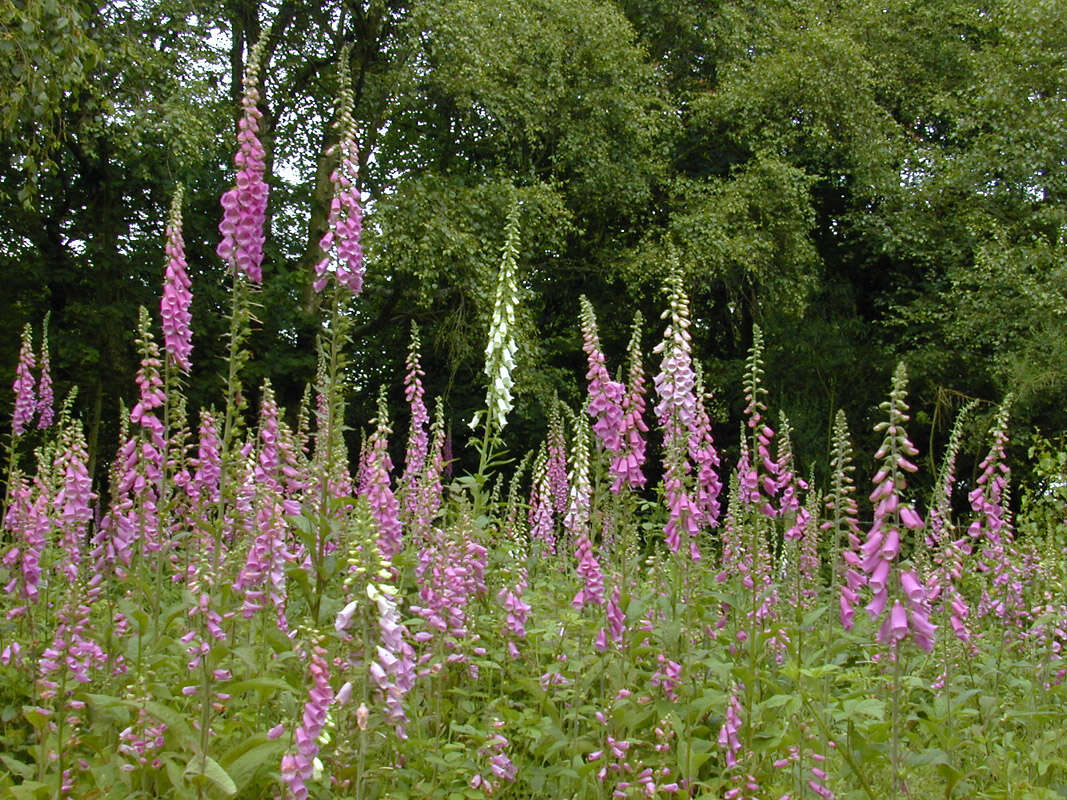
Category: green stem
<point>327,464</point>
<point>846,752</point>
<point>895,720</point>
<point>234,361</point>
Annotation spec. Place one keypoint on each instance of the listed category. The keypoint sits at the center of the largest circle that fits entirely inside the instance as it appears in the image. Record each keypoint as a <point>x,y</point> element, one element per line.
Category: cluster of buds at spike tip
<point>682,421</point>
<point>502,347</point>
<point>244,206</point>
<point>177,294</point>
<point>341,242</point>
<point>909,612</point>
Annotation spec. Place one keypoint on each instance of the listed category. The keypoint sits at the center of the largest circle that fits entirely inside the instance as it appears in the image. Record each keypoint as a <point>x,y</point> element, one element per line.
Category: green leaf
<point>859,711</point>
<point>247,759</point>
<point>24,771</point>
<point>206,768</point>
<point>29,790</point>
<point>265,686</point>
<point>34,716</point>
<point>931,755</point>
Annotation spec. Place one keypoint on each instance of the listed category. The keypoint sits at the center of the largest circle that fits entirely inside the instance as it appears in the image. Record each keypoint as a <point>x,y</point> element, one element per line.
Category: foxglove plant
<point>329,462</point>
<point>949,551</point>
<point>909,612</point>
<point>628,462</point>
<point>45,394</point>
<point>418,440</point>
<point>992,532</point>
<point>605,395</point>
<point>705,459</point>
<point>450,574</point>
<point>758,487</point>
<point>73,501</point>
<point>616,619</point>
<point>297,768</point>
<point>760,476</point>
<point>502,347</point>
<point>541,515</point>
<point>65,668</point>
<point>245,204</point>
<point>735,754</point>
<point>843,523</point>
<point>556,463</point>
<point>677,414</point>
<point>341,242</point>
<point>429,489</point>
<point>133,517</point>
<point>517,611</point>
<point>24,386</point>
<point>204,484</point>
<point>500,764</point>
<point>789,485</point>
<point>394,670</point>
<point>263,578</point>
<point>577,522</point>
<point>376,486</point>
<point>27,521</point>
<point>513,523</point>
<point>177,293</point>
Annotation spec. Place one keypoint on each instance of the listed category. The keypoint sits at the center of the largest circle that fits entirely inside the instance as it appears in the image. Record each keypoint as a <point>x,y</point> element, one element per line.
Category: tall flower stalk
<point>899,598</point>
<point>45,396</point>
<point>605,395</point>
<point>500,354</point>
<point>243,236</point>
<point>677,414</point>
<point>904,597</point>
<point>177,293</point>
<point>342,241</point>
<point>418,439</point>
<point>244,205</point>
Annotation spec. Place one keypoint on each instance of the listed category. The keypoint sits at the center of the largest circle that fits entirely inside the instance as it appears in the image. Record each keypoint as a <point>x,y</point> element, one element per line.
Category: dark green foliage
<point>867,181</point>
